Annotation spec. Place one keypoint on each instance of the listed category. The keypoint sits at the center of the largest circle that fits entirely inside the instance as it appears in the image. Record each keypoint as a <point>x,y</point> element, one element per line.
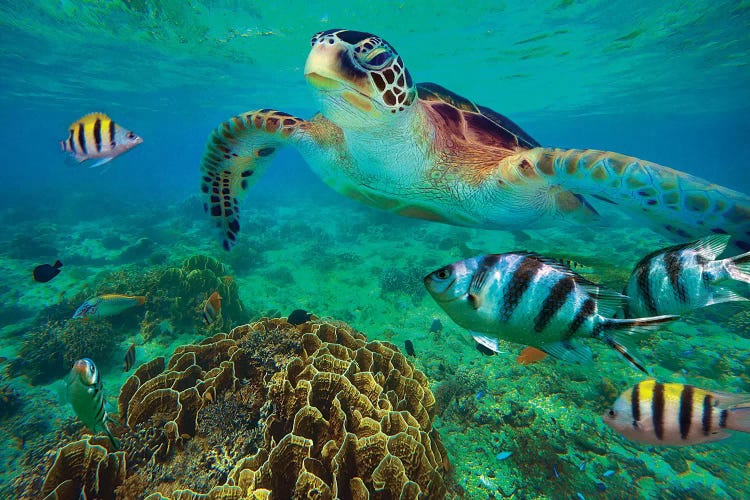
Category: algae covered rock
<point>272,410</point>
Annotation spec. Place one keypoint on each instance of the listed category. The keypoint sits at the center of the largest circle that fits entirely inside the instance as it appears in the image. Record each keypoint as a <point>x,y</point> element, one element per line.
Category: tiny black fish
<point>299,316</point>
<point>129,358</point>
<point>436,326</point>
<point>409,348</point>
<point>45,272</point>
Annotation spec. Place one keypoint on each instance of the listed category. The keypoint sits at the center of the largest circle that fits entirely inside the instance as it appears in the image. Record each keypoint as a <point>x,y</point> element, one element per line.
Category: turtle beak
<point>320,68</point>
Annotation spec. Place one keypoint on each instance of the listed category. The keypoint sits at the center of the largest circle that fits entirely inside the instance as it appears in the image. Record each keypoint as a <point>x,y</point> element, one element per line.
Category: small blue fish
<point>608,473</point>
<point>480,394</point>
<point>503,455</point>
<point>554,469</point>
<point>579,495</point>
<point>582,467</point>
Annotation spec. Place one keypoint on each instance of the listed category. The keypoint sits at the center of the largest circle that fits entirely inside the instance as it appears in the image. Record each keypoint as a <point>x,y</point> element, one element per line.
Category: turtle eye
<point>377,57</point>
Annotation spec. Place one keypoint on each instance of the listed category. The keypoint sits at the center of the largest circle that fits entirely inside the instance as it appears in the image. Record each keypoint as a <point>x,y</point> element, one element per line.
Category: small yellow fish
<point>212,308</point>
<point>129,358</point>
<point>97,136</point>
<point>108,305</point>
<point>677,414</point>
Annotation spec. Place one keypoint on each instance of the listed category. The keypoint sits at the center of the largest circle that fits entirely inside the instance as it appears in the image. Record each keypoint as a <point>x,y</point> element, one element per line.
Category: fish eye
<point>131,135</point>
<point>443,273</point>
<point>612,413</point>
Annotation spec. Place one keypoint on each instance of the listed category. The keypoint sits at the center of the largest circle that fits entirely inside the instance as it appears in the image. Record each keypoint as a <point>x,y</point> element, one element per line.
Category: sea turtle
<point>420,150</point>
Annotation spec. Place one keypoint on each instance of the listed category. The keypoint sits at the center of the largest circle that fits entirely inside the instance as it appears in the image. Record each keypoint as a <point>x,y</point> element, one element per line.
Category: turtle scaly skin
<point>419,150</point>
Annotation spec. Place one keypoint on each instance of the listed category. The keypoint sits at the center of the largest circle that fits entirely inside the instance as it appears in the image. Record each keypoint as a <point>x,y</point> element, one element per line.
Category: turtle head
<point>358,75</point>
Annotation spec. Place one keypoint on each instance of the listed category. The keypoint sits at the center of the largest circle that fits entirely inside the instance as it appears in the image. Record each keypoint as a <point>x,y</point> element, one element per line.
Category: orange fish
<point>530,355</point>
<point>212,308</point>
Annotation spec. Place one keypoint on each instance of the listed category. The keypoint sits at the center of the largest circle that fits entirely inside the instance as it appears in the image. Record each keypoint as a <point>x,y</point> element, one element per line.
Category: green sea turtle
<point>419,150</point>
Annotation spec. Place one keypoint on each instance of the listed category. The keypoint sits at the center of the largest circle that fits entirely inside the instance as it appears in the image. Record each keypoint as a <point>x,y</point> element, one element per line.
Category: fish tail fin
<point>57,264</point>
<point>621,333</point>
<point>140,299</point>
<point>672,202</point>
<point>739,267</point>
<point>739,419</point>
<point>115,442</point>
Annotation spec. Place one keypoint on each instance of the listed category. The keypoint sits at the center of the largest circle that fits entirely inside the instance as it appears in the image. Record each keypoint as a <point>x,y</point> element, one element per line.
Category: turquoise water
<point>670,84</point>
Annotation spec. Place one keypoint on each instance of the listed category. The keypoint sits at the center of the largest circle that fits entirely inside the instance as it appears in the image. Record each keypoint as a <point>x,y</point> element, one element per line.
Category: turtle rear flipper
<point>673,203</point>
<point>237,154</point>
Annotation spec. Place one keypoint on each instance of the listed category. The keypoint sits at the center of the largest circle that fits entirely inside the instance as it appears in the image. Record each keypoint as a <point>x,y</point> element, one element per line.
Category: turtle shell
<point>488,120</point>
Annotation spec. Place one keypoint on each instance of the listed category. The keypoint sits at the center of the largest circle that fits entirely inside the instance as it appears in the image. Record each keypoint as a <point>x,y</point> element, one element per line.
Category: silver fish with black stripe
<point>681,278</point>
<point>677,414</point>
<point>528,299</point>
<point>85,393</point>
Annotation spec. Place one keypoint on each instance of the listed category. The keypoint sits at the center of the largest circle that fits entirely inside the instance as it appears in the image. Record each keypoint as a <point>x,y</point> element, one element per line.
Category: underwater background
<point>667,83</point>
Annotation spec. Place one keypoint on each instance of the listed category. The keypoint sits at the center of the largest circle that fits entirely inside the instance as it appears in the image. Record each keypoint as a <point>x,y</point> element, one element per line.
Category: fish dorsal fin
<point>727,400</point>
<point>710,247</point>
<point>607,301</point>
<point>91,117</point>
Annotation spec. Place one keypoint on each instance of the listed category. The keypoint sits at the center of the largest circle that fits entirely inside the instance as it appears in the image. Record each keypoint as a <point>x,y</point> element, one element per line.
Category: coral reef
<point>177,295</point>
<point>10,401</point>
<point>85,468</point>
<point>408,282</point>
<point>49,351</point>
<point>271,410</point>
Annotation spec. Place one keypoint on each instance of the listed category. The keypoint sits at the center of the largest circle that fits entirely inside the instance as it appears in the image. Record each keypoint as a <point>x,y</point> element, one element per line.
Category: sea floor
<point>367,270</point>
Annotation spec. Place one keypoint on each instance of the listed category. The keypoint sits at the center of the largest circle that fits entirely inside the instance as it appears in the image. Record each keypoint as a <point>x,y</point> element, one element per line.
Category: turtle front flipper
<point>672,202</point>
<point>237,153</point>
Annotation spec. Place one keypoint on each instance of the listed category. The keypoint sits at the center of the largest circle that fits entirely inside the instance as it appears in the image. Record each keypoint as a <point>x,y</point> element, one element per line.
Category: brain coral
<point>271,410</point>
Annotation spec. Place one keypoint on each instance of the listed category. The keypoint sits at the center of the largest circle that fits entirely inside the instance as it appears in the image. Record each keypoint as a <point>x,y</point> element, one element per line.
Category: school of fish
<point>543,303</point>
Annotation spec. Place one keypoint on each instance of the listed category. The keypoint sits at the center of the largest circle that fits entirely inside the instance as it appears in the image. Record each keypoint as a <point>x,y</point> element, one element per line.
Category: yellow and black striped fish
<point>211,308</point>
<point>97,136</point>
<point>129,358</point>
<point>677,414</point>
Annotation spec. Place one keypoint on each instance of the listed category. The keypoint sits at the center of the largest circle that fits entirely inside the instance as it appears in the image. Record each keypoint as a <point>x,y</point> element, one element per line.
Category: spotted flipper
<point>237,153</point>
<point>675,203</point>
